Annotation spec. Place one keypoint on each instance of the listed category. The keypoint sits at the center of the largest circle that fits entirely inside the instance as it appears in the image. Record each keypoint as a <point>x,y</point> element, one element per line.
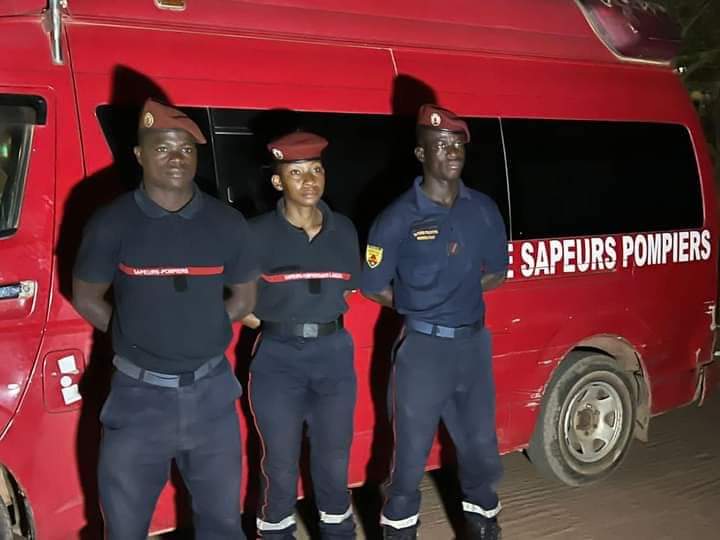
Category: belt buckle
<point>310,330</point>
<point>446,332</point>
<point>186,379</point>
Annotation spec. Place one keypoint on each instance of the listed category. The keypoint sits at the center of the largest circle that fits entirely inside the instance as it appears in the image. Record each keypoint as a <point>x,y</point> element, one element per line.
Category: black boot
<point>481,528</point>
<point>408,533</point>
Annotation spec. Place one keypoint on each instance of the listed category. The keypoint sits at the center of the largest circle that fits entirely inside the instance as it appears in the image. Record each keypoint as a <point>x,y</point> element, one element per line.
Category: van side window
<point>485,163</point>
<point>369,162</point>
<point>16,126</point>
<point>577,178</point>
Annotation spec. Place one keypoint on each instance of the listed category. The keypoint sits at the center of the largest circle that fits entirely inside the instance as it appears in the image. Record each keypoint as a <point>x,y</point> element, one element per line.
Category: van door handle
<point>17,291</point>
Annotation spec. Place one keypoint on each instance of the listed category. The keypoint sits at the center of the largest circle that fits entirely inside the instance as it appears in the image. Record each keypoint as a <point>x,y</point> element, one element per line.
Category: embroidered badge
<point>148,120</point>
<point>277,153</point>
<point>373,255</point>
<point>425,234</point>
<point>435,119</point>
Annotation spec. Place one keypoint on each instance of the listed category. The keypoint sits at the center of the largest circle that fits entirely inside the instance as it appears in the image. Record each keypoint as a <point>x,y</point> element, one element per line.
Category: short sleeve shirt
<point>305,280</point>
<point>168,271</point>
<point>435,257</point>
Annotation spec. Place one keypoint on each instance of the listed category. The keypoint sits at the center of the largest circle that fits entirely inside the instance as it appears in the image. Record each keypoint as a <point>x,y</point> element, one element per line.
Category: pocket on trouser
<point>108,414</point>
<point>394,356</point>
<point>273,354</point>
<point>132,402</point>
<point>256,345</point>
<point>397,344</point>
<point>481,360</point>
<point>338,355</point>
<point>218,392</point>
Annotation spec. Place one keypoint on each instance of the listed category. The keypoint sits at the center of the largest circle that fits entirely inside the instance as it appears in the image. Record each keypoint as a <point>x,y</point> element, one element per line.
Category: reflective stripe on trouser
<point>411,521</point>
<point>450,379</point>
<point>145,427</point>
<point>335,519</point>
<point>489,513</point>
<point>279,526</point>
<point>292,381</point>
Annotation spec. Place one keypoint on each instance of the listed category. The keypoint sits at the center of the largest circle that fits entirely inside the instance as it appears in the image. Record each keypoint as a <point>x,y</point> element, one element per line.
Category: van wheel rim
<point>593,422</point>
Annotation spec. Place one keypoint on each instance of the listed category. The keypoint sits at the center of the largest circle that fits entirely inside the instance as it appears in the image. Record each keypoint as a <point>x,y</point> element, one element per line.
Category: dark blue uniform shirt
<point>435,257</point>
<point>168,271</point>
<point>302,280</point>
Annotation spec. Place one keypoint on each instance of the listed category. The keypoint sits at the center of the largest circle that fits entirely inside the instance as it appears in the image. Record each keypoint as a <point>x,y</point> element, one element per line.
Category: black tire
<point>586,422</point>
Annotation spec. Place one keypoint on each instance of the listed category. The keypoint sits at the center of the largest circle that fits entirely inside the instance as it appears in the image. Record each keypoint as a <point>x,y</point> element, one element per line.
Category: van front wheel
<point>586,421</point>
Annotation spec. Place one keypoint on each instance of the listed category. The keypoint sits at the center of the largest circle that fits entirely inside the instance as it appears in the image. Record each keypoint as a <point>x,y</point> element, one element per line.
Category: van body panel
<point>497,61</point>
<point>38,445</point>
<point>492,26</point>
<point>11,8</point>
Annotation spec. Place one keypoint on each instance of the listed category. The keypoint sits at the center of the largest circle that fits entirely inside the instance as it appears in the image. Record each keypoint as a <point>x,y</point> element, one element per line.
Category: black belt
<point>438,330</point>
<point>303,330</point>
<point>165,380</point>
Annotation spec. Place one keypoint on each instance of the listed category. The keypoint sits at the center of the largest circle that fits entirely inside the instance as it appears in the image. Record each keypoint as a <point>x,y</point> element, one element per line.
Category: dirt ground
<point>668,488</point>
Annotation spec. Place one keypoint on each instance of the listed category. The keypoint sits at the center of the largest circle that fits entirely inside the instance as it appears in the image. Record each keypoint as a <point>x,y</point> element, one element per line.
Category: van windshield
<point>15,137</point>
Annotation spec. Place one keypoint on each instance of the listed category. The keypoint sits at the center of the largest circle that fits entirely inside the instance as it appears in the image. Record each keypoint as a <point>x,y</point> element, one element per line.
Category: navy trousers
<point>295,381</point>
<point>451,380</point>
<point>145,427</point>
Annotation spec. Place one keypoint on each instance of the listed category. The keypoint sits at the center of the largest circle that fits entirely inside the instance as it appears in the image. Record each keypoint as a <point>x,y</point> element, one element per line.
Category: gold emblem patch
<point>277,153</point>
<point>435,119</point>
<point>148,120</point>
<point>373,255</point>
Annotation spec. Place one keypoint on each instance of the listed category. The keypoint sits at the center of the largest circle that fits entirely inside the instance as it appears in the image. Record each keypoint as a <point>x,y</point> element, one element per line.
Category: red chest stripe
<point>161,271</point>
<point>279,278</point>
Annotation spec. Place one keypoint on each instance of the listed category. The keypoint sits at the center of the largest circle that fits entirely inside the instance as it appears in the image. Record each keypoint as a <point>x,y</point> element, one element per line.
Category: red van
<point>581,132</point>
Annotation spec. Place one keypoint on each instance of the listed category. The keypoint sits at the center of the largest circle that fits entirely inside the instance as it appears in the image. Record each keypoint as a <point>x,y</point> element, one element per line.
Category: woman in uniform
<point>303,371</point>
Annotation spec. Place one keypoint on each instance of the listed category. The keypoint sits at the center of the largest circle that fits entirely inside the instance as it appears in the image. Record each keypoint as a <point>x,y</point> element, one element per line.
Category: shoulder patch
<point>373,255</point>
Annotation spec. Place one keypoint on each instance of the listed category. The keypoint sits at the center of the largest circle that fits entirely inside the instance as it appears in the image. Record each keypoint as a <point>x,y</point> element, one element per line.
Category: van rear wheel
<point>585,425</point>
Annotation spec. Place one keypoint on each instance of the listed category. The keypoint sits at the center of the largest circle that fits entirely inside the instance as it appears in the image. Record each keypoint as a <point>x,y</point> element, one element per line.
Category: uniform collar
<point>328,217</point>
<point>424,202</point>
<point>151,209</point>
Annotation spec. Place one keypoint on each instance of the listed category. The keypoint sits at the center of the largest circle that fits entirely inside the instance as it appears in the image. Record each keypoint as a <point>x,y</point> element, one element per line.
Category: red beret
<point>436,117</point>
<point>157,116</point>
<point>298,146</point>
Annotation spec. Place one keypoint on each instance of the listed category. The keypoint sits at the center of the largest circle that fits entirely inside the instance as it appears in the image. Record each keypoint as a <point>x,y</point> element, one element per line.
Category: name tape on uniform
<point>279,278</point>
<point>162,271</point>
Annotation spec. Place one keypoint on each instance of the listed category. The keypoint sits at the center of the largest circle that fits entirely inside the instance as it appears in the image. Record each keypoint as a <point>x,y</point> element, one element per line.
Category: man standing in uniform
<point>168,251</point>
<point>303,371</point>
<point>430,255</point>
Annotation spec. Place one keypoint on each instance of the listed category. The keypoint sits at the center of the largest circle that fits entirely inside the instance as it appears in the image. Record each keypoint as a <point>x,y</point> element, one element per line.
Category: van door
<point>27,173</point>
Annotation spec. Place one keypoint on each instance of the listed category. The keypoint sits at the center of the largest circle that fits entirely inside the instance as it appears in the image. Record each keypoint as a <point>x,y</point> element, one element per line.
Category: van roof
<point>543,28</point>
